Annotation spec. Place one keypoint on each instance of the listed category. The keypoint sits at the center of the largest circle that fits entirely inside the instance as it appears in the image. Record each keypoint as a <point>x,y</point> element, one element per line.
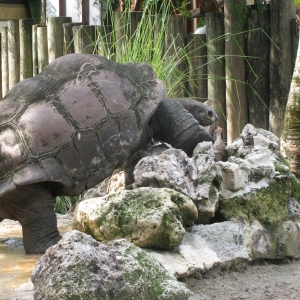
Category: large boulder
<point>257,182</point>
<point>198,177</point>
<point>78,267</point>
<point>205,247</point>
<point>147,217</point>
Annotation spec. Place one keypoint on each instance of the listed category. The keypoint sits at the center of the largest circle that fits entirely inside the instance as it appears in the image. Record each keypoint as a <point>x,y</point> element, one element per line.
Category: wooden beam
<point>85,11</point>
<point>62,8</point>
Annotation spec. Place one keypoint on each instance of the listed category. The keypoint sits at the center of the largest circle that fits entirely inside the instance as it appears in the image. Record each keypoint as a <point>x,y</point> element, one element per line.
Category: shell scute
<point>12,151</point>
<point>77,121</point>
<point>39,137</point>
<point>29,174</point>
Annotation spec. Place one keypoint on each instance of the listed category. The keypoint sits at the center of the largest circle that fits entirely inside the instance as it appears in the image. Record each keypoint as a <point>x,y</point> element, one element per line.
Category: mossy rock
<point>267,205</point>
<point>295,188</point>
<point>147,217</point>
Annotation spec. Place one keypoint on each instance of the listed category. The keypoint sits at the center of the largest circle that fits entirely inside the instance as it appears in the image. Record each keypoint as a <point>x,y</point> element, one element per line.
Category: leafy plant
<point>147,42</point>
<point>64,205</point>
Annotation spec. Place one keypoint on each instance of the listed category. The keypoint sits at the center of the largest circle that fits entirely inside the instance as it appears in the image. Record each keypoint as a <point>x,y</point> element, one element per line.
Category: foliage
<point>148,43</point>
<point>241,11</point>
<point>64,205</point>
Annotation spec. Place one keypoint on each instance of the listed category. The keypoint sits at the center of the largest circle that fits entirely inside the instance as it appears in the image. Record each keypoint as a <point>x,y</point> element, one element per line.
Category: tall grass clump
<point>143,37</point>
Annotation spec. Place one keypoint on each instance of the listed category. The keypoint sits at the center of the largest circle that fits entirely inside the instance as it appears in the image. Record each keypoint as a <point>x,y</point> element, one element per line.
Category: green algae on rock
<point>147,217</point>
<point>81,268</point>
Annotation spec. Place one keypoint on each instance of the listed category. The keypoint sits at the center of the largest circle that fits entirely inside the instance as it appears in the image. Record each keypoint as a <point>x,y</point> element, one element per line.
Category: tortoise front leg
<point>33,207</point>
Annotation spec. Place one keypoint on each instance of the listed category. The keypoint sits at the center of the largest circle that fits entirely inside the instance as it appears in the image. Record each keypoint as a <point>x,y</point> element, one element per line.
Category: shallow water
<point>15,265</point>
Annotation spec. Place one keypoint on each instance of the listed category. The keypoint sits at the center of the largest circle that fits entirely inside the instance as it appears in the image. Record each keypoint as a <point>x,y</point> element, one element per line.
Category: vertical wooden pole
<point>126,25</point>
<point>295,32</point>
<point>25,27</point>
<point>104,41</point>
<point>62,8</point>
<point>236,98</point>
<point>197,75</point>
<point>68,37</point>
<point>175,37</point>
<point>4,61</point>
<point>35,68</point>
<point>281,60</point>
<point>42,47</point>
<point>85,11</point>
<point>216,67</point>
<point>56,36</point>
<point>258,68</point>
<point>84,39</point>
<point>13,52</point>
<point>1,69</point>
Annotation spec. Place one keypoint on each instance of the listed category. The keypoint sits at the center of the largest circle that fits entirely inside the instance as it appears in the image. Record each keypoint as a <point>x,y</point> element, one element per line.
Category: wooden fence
<point>238,69</point>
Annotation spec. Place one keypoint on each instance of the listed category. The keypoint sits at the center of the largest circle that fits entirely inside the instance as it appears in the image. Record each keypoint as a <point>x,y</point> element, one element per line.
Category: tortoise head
<point>203,113</point>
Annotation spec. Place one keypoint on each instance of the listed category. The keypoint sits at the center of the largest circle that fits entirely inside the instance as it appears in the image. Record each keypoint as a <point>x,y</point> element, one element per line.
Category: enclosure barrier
<point>245,71</point>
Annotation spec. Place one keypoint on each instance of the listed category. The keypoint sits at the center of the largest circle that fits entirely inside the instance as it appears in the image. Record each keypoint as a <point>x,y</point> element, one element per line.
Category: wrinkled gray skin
<point>33,184</point>
<point>179,122</point>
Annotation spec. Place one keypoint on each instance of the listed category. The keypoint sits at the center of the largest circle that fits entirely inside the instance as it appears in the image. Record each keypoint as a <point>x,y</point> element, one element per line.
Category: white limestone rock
<point>204,247</point>
<point>198,177</point>
<point>147,217</point>
<point>78,267</point>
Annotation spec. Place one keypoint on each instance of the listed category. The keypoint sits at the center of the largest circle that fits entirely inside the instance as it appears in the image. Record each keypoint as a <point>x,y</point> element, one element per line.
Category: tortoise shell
<point>75,122</point>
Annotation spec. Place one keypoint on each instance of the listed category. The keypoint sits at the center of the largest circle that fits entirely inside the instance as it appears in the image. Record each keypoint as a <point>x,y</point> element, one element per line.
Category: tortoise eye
<point>210,113</point>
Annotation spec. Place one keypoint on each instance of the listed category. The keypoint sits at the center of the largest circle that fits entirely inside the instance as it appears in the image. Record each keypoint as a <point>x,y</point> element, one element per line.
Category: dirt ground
<point>266,281</point>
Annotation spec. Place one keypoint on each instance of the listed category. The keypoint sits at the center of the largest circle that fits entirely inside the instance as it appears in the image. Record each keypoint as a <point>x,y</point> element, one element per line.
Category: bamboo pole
<point>35,68</point>
<point>55,35</point>
<point>13,52</point>
<point>25,28</point>
<point>258,68</point>
<point>281,60</point>
<point>42,47</point>
<point>85,39</point>
<point>68,37</point>
<point>216,67</point>
<point>175,37</point>
<point>4,60</point>
<point>197,75</point>
<point>236,98</point>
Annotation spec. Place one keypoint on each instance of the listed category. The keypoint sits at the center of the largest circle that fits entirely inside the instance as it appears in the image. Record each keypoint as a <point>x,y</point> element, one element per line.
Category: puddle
<point>15,265</point>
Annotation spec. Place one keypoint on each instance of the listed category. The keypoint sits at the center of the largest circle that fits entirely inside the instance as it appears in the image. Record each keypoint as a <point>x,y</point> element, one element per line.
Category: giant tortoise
<point>68,128</point>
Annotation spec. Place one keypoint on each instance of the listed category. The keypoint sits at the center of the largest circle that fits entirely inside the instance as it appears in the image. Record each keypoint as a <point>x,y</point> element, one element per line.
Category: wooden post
<point>197,75</point>
<point>175,37</point>
<point>56,36</point>
<point>258,68</point>
<point>85,39</point>
<point>42,47</point>
<point>281,60</point>
<point>236,98</point>
<point>104,40</point>
<point>216,67</point>
<point>35,64</point>
<point>4,61</point>
<point>1,69</point>
<point>68,37</point>
<point>295,32</point>
<point>13,52</point>
<point>25,27</point>
<point>126,25</point>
